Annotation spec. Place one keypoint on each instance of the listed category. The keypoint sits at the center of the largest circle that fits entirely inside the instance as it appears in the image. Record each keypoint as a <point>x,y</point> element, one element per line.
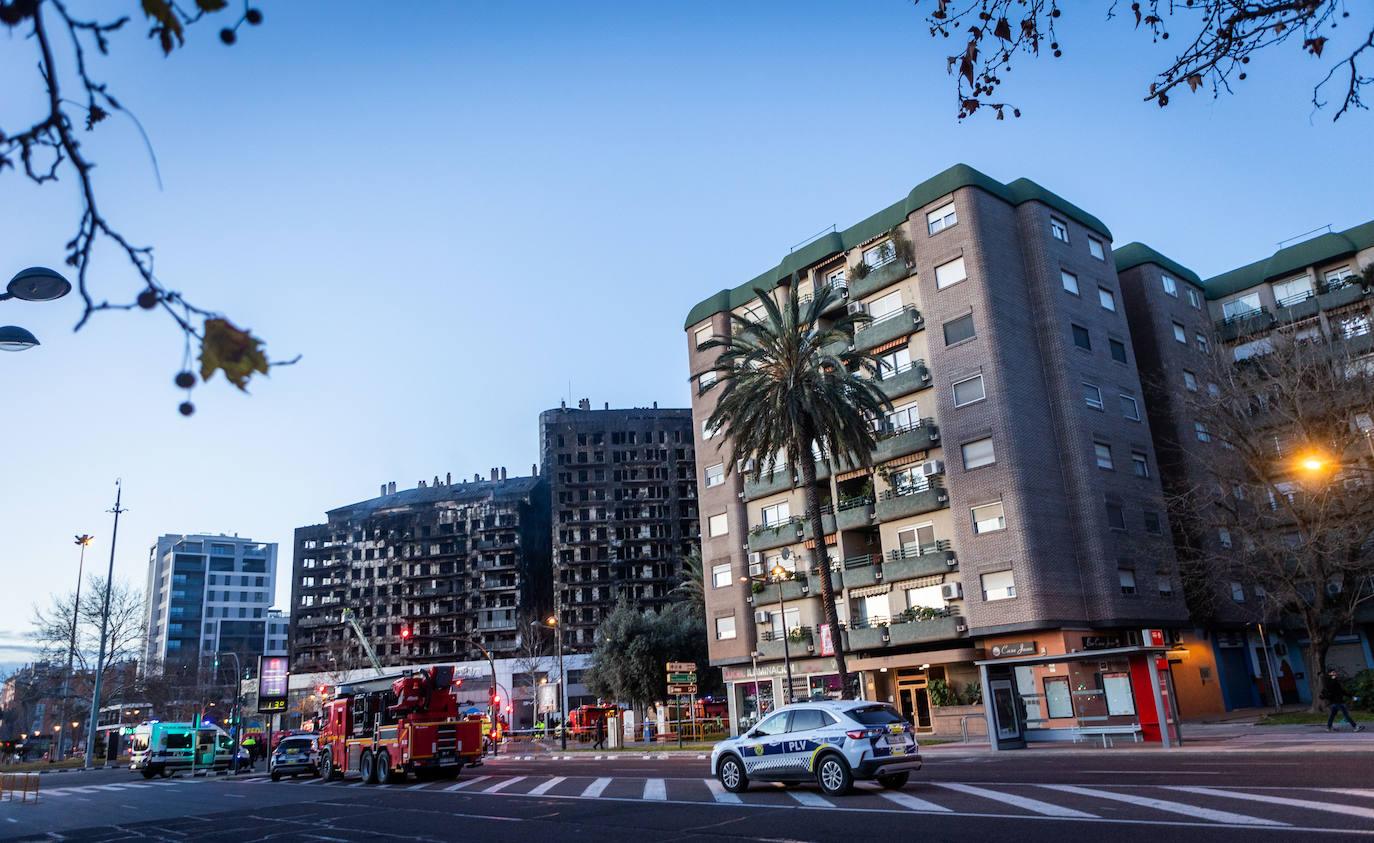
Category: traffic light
<point>496,700</point>
<point>405,632</point>
<point>458,683</point>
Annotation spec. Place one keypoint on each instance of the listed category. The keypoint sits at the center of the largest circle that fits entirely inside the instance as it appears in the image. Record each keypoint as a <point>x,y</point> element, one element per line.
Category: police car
<point>832,742</point>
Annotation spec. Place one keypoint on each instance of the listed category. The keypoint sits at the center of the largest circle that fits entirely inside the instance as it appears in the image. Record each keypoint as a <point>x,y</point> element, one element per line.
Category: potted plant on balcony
<point>901,246</point>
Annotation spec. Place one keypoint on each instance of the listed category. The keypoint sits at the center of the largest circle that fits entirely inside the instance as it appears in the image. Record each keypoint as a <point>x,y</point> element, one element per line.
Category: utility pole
<point>82,540</point>
<point>104,629</point>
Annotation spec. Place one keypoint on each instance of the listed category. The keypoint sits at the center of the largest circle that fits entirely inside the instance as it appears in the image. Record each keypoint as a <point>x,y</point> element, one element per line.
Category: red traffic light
<point>508,709</point>
<point>405,632</point>
<point>322,689</point>
<point>496,699</point>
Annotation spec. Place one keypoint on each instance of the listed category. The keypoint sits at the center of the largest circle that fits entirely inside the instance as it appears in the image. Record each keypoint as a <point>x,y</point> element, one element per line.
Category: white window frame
<point>993,523</point>
<point>704,329</point>
<point>1189,381</point>
<point>714,475</point>
<point>1096,249</point>
<point>1203,434</point>
<point>1202,344</point>
<point>1103,452</point>
<point>950,273</point>
<point>982,454</point>
<point>886,306</point>
<point>1126,577</point>
<point>1140,464</point>
<point>894,362</point>
<point>1106,298</point>
<point>1194,298</point>
<point>1089,390</point>
<point>904,416</point>
<point>719,581</point>
<point>1237,592</point>
<point>998,585</point>
<point>1059,229</point>
<point>1170,285</point>
<point>1180,333</point>
<point>982,390</point>
<point>1130,408</point>
<point>776,514</point>
<point>1241,306</point>
<point>708,432</point>
<point>1069,280</point>
<point>941,218</point>
<point>725,628</point>
<point>718,525</point>
<point>705,379</point>
<point>836,278</point>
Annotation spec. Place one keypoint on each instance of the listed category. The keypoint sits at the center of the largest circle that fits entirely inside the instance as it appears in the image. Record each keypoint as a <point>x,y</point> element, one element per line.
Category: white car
<point>832,742</point>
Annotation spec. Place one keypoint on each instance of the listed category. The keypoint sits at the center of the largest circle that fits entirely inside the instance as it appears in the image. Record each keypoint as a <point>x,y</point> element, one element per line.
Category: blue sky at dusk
<point>460,214</point>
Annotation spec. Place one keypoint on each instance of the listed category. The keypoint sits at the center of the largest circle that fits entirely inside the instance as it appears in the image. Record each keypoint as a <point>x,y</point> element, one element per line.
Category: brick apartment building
<point>623,490</point>
<point>1016,505</point>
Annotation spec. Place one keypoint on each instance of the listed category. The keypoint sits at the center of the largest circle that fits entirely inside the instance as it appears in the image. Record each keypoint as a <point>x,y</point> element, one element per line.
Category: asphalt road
<point>1129,795</point>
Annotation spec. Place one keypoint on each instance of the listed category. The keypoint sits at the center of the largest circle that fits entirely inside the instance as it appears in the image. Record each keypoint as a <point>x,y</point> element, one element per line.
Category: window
<point>703,334</point>
<point>894,362</point>
<point>1166,585</point>
<point>1092,396</point>
<point>1201,343</point>
<point>941,218</point>
<point>1081,338</point>
<point>779,625</point>
<point>1104,454</point>
<point>705,380</point>
<point>1335,277</point>
<point>978,453</point>
<point>988,518</point>
<point>1224,536</point>
<point>1140,464</point>
<point>777,514</point>
<point>1118,350</point>
<point>968,390</point>
<point>1241,307</point>
<point>1107,299</point>
<point>1058,700</point>
<point>707,431</point>
<point>1059,230</point>
<point>718,525</point>
<point>1116,517</point>
<point>721,576</point>
<point>1152,524</point>
<point>998,586</point>
<point>715,474</point>
<point>1180,334</point>
<point>1129,408</point>
<point>903,417</point>
<point>948,274</point>
<point>1194,298</point>
<point>836,278</point>
<point>1069,280</point>
<point>1095,248</point>
<point>958,330</point>
<point>1127,578</point>
<point>1189,381</point>
<point>725,628</point>
<point>1237,592</point>
<point>879,254</point>
<point>1170,285</point>
<point>806,719</point>
<point>1293,291</point>
<point>883,307</point>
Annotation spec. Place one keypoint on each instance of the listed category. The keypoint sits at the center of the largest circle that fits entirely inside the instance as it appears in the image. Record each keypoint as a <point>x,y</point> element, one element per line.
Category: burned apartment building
<point>426,570</point>
<point>624,510</point>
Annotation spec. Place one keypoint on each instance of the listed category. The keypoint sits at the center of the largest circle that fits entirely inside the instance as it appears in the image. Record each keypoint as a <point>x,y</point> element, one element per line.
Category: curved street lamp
<point>37,283</point>
<point>778,575</point>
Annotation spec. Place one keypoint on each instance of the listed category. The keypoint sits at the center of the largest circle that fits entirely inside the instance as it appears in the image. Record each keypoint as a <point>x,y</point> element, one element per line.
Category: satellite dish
<point>787,553</point>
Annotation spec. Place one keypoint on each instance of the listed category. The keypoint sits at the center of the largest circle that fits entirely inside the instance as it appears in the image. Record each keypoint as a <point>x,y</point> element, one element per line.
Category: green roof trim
<point>1287,261</point>
<point>1134,254</point>
<point>834,243</point>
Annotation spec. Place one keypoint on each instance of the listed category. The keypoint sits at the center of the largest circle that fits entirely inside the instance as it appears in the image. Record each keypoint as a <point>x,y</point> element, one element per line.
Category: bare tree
<point>1284,505</point>
<point>1219,36</point>
<point>47,146</point>
<point>51,625</point>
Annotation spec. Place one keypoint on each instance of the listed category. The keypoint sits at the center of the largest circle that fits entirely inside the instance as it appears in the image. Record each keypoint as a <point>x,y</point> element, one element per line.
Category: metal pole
<point>82,540</point>
<point>104,629</point>
<point>786,657</point>
<point>1269,662</point>
<point>562,686</point>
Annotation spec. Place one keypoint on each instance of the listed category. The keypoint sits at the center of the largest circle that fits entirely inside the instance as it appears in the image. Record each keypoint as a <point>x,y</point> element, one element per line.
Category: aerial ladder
<point>352,621</point>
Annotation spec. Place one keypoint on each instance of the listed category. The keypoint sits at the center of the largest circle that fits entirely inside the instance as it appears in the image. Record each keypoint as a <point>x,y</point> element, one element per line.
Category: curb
<point>698,756</point>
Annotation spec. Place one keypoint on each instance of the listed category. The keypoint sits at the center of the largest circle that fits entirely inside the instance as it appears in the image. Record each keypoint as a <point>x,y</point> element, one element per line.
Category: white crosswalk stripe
<point>655,789</point>
<point>913,803</point>
<point>1332,807</point>
<point>596,788</point>
<point>720,794</point>
<point>466,784</point>
<point>1025,802</point>
<point>540,790</point>
<point>1164,805</point>
<point>809,799</point>
<point>504,784</point>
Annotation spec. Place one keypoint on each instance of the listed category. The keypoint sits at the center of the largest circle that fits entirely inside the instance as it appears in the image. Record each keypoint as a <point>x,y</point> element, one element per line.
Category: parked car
<point>294,755</point>
<point>831,742</point>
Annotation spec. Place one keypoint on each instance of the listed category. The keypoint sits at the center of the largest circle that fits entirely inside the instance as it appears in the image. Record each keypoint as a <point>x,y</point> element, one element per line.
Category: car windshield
<point>298,745</point>
<point>876,715</point>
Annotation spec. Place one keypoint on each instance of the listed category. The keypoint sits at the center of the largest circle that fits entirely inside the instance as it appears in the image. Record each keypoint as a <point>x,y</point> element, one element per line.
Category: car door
<point>762,748</point>
<point>802,739</point>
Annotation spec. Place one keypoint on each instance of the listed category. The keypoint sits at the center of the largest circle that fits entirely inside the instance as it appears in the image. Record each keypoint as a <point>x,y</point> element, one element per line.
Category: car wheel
<point>731,775</point>
<point>894,781</point>
<point>165,773</point>
<point>327,767</point>
<point>833,775</point>
<point>367,768</point>
<point>276,777</point>
<point>148,774</point>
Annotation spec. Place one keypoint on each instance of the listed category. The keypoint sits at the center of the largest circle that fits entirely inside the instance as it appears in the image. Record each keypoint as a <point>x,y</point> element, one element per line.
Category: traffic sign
<point>689,678</point>
<point>682,667</point>
<point>682,690</point>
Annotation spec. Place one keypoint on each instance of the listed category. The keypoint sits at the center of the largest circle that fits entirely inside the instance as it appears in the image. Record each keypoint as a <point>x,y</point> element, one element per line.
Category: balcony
<point>1335,297</point>
<point>935,558</point>
<point>800,642</point>
<point>862,570</point>
<point>1244,324</point>
<point>879,277</point>
<point>855,514</point>
<point>767,538</point>
<point>494,625</point>
<point>918,437</point>
<point>827,524</point>
<point>913,377</point>
<point>767,484</point>
<point>813,582</point>
<point>879,633</point>
<point>791,590</point>
<point>900,503</point>
<point>898,324</point>
<point>1297,307</point>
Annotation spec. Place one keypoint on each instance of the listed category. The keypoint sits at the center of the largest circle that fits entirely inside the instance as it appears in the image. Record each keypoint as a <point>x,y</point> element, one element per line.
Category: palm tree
<point>693,584</point>
<point>790,383</point>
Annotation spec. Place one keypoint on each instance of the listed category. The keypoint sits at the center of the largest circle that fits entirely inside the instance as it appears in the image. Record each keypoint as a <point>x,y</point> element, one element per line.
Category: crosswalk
<point>1290,809</point>
<point>94,789</point>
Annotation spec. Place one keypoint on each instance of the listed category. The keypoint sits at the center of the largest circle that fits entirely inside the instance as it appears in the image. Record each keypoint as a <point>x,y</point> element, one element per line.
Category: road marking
<point>544,788</point>
<point>1350,791</point>
<point>1165,805</point>
<point>418,786</point>
<point>655,789</point>
<point>720,794</point>
<point>1025,802</point>
<point>1156,772</point>
<point>1350,810</point>
<point>809,799</point>
<point>357,784</point>
<point>906,800</point>
<point>595,789</point>
<point>504,784</point>
<point>467,783</point>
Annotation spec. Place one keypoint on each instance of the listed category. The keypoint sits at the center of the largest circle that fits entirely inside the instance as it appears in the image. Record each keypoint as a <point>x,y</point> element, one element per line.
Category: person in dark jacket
<point>1335,695</point>
<point>600,733</point>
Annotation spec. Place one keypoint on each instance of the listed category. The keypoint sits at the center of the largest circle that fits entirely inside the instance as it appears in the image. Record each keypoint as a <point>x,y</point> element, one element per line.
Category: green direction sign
<point>682,678</point>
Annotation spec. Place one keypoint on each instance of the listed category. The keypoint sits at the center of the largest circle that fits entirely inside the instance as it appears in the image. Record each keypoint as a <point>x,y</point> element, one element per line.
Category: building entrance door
<point>913,700</point>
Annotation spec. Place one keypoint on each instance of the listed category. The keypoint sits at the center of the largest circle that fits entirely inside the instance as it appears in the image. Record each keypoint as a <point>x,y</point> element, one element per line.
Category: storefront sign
<point>1015,648</point>
<point>746,673</point>
<point>1101,642</point>
<point>272,683</point>
<point>1152,637</point>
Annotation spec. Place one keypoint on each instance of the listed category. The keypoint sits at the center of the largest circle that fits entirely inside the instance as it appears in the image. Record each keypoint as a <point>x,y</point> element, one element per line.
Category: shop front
<point>935,691</point>
<point>755,690</point>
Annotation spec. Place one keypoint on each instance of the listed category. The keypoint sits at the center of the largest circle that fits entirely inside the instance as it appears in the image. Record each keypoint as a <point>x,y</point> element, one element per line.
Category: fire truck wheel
<point>385,774</point>
<point>366,767</point>
<point>327,768</point>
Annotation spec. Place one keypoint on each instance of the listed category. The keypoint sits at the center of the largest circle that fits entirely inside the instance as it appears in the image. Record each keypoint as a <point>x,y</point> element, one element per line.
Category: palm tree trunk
<point>820,562</point>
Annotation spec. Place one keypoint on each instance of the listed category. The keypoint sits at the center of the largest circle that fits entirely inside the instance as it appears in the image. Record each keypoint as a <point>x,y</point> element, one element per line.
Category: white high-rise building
<point>209,594</point>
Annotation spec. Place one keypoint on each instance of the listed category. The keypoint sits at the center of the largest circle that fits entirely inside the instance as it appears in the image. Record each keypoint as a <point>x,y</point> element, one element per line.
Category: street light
<point>83,540</point>
<point>36,283</point>
<point>551,622</point>
<point>777,575</point>
<point>104,631</point>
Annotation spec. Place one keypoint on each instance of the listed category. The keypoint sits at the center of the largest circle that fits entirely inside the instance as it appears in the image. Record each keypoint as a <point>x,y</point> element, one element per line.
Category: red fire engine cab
<point>385,728</point>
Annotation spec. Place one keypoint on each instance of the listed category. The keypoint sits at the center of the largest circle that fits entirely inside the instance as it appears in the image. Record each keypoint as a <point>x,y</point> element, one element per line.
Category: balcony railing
<point>908,378</point>
<point>921,435</point>
<point>897,324</point>
<point>879,277</point>
<point>902,503</point>
<point>767,538</point>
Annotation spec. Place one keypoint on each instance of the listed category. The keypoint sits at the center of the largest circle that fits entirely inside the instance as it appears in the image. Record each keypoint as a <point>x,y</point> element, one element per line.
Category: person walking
<point>1335,695</point>
<point>600,734</point>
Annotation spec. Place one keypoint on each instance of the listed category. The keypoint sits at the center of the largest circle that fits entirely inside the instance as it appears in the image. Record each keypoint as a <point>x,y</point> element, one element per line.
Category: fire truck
<point>387,727</point>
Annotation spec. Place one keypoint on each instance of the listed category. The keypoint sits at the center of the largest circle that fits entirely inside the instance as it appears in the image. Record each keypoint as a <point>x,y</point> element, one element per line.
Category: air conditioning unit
<point>745,466</point>
<point>857,307</point>
<point>952,591</point>
<point>933,467</point>
<point>935,434</point>
<point>762,616</point>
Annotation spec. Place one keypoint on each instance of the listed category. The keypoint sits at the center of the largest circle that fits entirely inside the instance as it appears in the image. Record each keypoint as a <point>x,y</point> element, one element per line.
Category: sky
<point>461,214</point>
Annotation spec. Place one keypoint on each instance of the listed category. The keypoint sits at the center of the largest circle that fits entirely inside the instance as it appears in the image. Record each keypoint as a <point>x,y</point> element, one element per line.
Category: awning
<point>954,656</point>
<point>919,582</point>
<point>811,543</point>
<point>849,475</point>
<point>907,460</point>
<point>870,591</point>
<point>888,346</point>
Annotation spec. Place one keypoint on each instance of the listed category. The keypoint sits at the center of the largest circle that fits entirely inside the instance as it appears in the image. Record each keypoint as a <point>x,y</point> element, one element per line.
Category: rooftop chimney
<point>448,478</point>
<point>493,475</point>
<point>422,485</point>
<point>383,489</point>
<point>655,405</point>
<point>391,488</point>
<point>584,404</point>
<point>503,472</point>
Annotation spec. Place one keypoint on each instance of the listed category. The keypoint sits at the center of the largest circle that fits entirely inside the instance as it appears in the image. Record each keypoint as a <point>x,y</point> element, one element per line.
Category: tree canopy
<point>633,649</point>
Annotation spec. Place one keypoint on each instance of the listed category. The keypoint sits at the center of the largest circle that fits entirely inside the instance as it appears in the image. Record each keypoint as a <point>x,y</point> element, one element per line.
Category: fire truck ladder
<point>352,621</point>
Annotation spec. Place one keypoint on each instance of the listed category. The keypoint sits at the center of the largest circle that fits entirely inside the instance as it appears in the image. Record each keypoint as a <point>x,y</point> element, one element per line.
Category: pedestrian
<point>1334,693</point>
<point>600,734</point>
